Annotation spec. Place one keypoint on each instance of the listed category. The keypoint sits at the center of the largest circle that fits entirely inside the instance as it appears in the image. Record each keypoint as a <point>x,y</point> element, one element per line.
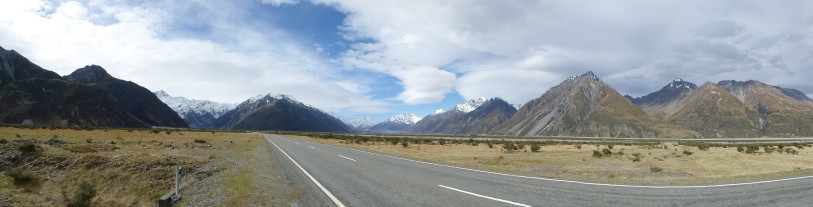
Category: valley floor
<point>135,167</point>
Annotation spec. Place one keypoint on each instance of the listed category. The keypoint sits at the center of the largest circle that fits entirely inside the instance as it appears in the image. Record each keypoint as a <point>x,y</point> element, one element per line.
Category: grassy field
<point>633,164</point>
<point>135,167</point>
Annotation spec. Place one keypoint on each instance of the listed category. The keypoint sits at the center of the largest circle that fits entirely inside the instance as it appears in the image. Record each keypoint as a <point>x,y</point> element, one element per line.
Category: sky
<point>380,58</point>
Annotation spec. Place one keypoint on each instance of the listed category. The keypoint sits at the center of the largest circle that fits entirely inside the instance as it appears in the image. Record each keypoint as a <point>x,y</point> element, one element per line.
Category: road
<point>335,176</point>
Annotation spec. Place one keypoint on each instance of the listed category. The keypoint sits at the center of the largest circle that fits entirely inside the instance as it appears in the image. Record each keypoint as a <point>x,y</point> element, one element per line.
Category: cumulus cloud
<point>424,84</point>
<point>136,42</point>
<point>638,46</point>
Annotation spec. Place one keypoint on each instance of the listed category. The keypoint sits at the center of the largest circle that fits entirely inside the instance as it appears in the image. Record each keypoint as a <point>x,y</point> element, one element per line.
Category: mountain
<point>32,95</point>
<point>713,112</point>
<point>780,115</point>
<point>584,106</point>
<point>280,113</point>
<point>361,124</point>
<point>672,92</point>
<point>795,94</point>
<point>396,124</point>
<point>462,119</point>
<point>199,114</point>
<point>142,103</point>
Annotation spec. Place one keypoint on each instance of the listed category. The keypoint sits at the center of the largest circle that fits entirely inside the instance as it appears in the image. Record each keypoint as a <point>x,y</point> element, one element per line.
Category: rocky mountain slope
<point>713,112</point>
<point>476,116</point>
<point>32,95</point>
<point>279,113</point>
<point>199,114</point>
<point>583,106</point>
<point>396,124</point>
<point>780,115</point>
<point>670,93</point>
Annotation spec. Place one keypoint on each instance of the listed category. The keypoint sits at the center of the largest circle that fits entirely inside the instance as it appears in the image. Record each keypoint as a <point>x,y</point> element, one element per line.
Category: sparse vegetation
<point>20,177</point>
<point>404,144</point>
<point>535,147</point>
<point>687,152</point>
<point>3,141</point>
<point>200,141</point>
<point>82,197</point>
<point>655,169</point>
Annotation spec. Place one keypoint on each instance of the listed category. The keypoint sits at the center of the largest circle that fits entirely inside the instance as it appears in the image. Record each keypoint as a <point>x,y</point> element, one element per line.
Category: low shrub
<point>82,197</point>
<point>596,153</point>
<point>404,143</point>
<point>490,145</point>
<point>606,151</point>
<point>20,177</point>
<point>687,152</point>
<point>201,141</point>
<point>655,169</point>
<point>535,148</point>
<point>27,148</point>
<point>3,141</point>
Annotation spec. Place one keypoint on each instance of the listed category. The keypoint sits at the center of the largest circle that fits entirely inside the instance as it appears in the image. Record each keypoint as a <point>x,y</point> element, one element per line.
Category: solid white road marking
<point>347,158</point>
<point>487,197</point>
<point>330,195</point>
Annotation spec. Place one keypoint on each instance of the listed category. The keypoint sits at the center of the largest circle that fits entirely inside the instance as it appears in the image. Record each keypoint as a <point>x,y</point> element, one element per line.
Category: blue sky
<point>381,58</point>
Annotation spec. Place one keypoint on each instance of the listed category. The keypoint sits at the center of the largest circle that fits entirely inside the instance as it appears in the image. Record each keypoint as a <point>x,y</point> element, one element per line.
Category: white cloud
<point>279,2</point>
<point>638,46</point>
<point>424,84</point>
<point>138,46</point>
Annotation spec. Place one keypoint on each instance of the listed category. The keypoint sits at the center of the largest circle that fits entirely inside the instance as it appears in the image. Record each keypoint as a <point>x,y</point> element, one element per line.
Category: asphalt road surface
<point>335,176</point>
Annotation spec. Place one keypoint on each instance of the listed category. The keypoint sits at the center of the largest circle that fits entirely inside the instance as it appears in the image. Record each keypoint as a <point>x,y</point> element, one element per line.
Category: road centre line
<point>330,195</point>
<point>347,158</point>
<point>311,147</point>
<point>487,197</point>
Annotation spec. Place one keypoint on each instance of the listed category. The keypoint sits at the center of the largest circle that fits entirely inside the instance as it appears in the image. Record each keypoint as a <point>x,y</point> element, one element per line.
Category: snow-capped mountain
<point>406,118</point>
<point>196,113</point>
<point>362,123</point>
<point>469,105</point>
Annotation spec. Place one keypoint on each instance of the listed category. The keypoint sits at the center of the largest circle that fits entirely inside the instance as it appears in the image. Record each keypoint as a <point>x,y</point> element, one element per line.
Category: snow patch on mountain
<point>184,106</point>
<point>361,123</point>
<point>406,117</point>
<point>469,105</point>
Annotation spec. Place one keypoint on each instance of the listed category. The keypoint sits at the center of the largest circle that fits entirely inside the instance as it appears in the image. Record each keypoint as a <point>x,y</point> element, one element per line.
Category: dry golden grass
<point>135,167</point>
<point>716,165</point>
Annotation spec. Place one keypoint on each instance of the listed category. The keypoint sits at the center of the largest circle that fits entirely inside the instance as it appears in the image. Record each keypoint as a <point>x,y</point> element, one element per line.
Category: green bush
<point>490,145</point>
<point>509,146</point>
<point>687,152</point>
<point>3,141</point>
<point>20,177</point>
<point>27,148</point>
<point>82,197</point>
<point>740,149</point>
<point>535,148</point>
<point>596,153</point>
<point>606,151</point>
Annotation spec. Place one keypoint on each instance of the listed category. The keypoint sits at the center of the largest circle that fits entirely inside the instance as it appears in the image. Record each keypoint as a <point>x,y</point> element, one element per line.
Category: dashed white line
<point>330,195</point>
<point>487,197</point>
<point>347,158</point>
<point>311,147</point>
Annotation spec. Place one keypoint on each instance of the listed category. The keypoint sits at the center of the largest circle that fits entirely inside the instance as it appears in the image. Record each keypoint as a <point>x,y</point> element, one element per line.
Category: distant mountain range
<point>579,106</point>
<point>199,114</point>
<point>89,96</point>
